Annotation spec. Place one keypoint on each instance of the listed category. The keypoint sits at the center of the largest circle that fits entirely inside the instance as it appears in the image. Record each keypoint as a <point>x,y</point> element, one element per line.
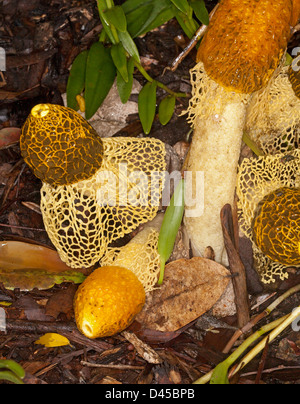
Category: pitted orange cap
<point>245,42</point>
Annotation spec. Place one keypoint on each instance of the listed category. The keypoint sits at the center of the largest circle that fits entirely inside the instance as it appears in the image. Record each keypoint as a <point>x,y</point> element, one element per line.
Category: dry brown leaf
<point>190,289</point>
<point>61,302</point>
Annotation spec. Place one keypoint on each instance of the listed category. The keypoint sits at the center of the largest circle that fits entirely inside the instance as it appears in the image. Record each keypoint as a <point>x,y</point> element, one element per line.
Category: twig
<point>69,330</point>
<point>22,227</point>
<point>262,362</point>
<point>272,370</point>
<point>236,267</point>
<point>144,350</point>
<point>120,367</point>
<point>193,42</point>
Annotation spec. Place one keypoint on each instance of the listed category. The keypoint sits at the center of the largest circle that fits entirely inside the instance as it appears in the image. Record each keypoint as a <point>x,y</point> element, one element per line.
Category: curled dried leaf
<point>190,289</point>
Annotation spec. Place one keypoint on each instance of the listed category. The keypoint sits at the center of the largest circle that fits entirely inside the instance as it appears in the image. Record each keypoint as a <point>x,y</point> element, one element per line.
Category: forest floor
<point>42,39</point>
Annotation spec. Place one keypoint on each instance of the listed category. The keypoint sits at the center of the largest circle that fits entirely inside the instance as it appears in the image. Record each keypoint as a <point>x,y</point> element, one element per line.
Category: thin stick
<point>21,227</point>
<point>193,42</point>
<point>262,362</point>
<point>236,267</point>
<point>120,367</point>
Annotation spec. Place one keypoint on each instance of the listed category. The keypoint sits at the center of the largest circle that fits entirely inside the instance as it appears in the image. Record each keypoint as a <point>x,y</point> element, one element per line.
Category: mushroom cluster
<point>94,190</point>
<point>239,54</point>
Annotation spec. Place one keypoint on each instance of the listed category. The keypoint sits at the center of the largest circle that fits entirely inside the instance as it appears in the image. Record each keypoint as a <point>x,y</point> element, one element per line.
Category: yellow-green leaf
<point>52,340</point>
<point>28,266</point>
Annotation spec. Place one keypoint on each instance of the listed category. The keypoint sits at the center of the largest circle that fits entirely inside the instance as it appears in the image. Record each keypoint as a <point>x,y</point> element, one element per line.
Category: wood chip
<point>144,350</point>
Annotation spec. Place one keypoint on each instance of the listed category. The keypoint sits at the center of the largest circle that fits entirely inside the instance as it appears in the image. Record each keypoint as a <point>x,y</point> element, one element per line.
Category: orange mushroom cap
<point>245,42</point>
<point>296,12</point>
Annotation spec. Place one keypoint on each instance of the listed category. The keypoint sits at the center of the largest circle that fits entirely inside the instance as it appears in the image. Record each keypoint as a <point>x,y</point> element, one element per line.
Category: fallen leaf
<point>61,302</point>
<point>190,289</point>
<point>52,340</point>
<point>27,279</point>
<point>18,255</point>
<point>9,136</point>
<point>28,266</point>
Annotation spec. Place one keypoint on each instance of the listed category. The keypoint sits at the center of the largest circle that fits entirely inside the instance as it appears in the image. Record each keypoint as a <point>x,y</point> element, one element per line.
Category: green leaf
<point>109,30</point>
<point>118,55</point>
<point>13,366</point>
<point>189,25</point>
<point>166,109</point>
<point>115,16</point>
<point>182,5</point>
<point>146,15</point>
<point>125,88</point>
<point>200,11</point>
<point>220,374</point>
<point>76,81</point>
<point>147,106</point>
<point>170,227</point>
<point>10,377</point>
<point>100,76</point>
<point>27,279</point>
<point>129,45</point>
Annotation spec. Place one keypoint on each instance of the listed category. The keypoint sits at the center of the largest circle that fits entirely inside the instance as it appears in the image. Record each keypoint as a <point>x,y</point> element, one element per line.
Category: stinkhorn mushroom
<point>240,52</point>
<point>276,226</point>
<point>140,255</point>
<point>273,115</point>
<point>268,190</point>
<point>94,190</point>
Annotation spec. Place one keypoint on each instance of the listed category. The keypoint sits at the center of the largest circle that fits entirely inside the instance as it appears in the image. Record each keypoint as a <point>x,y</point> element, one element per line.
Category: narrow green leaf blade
<point>147,106</point>
<point>125,88</point>
<point>100,76</point>
<point>182,5</point>
<point>13,366</point>
<point>200,11</point>
<point>166,109</point>
<point>118,55</point>
<point>129,45</point>
<point>170,227</point>
<point>115,16</point>
<point>10,377</point>
<point>188,25</point>
<point>143,16</point>
<point>76,81</point>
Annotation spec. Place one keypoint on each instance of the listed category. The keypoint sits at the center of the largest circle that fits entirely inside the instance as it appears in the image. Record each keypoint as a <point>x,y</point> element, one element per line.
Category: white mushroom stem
<point>218,117</point>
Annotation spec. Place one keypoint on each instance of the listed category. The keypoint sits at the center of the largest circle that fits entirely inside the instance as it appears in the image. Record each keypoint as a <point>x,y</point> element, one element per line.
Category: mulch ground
<point>41,39</point>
